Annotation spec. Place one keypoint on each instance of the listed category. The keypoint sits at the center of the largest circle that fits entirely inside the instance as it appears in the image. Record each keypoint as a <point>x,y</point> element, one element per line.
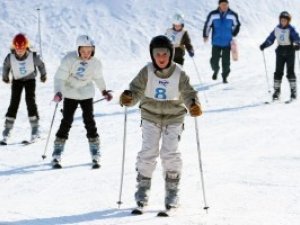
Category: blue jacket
<point>285,36</point>
<point>224,27</point>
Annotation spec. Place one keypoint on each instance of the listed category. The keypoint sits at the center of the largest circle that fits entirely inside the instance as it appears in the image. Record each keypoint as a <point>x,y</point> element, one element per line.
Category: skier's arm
<point>40,64</point>
<point>138,85</point>
<point>236,25</point>
<point>61,75</point>
<point>295,36</point>
<point>207,26</point>
<point>187,42</point>
<point>188,93</point>
<point>98,78</point>
<point>270,40</point>
<point>6,69</point>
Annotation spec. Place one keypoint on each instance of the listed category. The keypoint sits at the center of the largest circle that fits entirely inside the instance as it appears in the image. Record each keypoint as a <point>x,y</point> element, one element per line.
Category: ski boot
<point>143,187</point>
<point>215,75</point>
<point>94,144</point>
<point>59,145</point>
<point>171,185</point>
<point>8,125</point>
<point>276,94</point>
<point>35,133</point>
<point>293,86</point>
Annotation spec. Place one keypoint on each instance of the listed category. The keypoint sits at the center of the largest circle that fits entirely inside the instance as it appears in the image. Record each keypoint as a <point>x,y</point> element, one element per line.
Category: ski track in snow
<point>250,150</point>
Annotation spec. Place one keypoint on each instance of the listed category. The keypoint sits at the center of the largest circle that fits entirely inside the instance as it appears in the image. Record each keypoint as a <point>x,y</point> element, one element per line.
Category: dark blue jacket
<point>224,27</point>
<point>286,36</point>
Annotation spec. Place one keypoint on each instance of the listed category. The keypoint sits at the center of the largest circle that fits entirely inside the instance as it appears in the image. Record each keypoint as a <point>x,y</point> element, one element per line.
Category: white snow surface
<point>250,150</point>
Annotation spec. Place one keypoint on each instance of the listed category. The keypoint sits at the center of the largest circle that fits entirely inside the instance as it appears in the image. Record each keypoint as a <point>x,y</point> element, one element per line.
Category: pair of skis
<point>24,142</point>
<point>169,211</point>
<point>57,165</point>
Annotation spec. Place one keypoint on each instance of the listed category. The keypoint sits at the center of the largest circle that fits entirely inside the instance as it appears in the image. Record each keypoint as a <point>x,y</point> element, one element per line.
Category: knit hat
<point>220,1</point>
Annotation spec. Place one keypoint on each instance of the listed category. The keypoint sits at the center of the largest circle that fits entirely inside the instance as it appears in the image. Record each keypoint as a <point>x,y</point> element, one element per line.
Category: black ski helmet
<point>161,41</point>
<point>285,15</point>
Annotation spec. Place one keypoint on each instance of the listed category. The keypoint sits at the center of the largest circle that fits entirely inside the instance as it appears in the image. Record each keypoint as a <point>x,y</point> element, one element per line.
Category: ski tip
<point>96,166</point>
<point>25,142</point>
<point>3,143</point>
<point>137,212</point>
<point>162,214</point>
<point>56,166</point>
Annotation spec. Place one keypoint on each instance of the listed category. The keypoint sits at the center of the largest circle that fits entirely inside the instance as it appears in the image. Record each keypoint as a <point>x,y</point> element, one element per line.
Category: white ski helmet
<point>85,40</point>
<point>178,19</point>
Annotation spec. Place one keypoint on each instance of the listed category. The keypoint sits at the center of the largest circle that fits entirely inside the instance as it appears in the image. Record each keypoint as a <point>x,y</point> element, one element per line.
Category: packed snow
<point>250,150</point>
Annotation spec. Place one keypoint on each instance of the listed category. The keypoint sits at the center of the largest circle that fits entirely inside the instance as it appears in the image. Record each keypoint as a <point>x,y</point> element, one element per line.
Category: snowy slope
<point>249,149</point>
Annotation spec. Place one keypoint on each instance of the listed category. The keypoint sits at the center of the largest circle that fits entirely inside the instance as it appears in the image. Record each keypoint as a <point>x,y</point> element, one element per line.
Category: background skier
<point>22,63</point>
<point>180,39</point>
<point>288,41</point>
<point>74,82</point>
<point>225,24</point>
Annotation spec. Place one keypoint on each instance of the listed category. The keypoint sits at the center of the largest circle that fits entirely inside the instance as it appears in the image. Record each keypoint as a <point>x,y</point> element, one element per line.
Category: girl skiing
<point>164,92</point>
<point>74,82</point>
<point>288,41</point>
<point>22,63</point>
<point>180,39</point>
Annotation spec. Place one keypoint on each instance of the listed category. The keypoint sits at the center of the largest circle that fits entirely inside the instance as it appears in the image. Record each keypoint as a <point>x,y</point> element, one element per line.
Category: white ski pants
<point>169,153</point>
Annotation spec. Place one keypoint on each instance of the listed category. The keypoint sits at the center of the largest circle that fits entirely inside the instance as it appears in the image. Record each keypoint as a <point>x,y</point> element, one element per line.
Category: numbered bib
<point>282,36</point>
<point>163,89</point>
<point>23,68</point>
<point>175,36</point>
<point>79,70</point>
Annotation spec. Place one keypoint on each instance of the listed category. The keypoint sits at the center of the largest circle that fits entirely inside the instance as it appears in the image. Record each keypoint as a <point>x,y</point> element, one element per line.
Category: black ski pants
<point>283,58</point>
<point>217,53</point>
<point>69,108</point>
<point>16,93</point>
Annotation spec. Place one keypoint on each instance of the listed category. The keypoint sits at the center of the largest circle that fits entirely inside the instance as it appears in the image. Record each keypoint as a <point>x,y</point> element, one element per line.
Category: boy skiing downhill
<point>288,41</point>
<point>180,39</point>
<point>74,82</point>
<point>164,92</point>
<point>22,63</point>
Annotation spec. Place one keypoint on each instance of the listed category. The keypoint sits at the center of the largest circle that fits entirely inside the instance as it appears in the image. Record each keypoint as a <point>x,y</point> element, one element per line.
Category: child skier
<point>180,39</point>
<point>74,82</point>
<point>288,41</point>
<point>164,91</point>
<point>22,63</point>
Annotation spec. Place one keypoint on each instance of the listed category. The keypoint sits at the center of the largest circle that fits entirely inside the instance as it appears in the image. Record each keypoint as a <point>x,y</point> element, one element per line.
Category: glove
<point>191,53</point>
<point>5,79</point>
<point>43,78</point>
<point>57,97</point>
<point>296,47</point>
<point>195,110</point>
<point>262,47</point>
<point>107,95</point>
<point>126,98</point>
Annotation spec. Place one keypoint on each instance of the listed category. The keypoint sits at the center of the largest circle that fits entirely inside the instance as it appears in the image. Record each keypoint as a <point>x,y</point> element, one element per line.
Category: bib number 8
<point>160,93</point>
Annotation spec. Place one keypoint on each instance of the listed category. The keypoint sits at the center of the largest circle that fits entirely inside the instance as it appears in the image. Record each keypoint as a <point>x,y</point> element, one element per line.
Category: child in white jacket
<point>74,81</point>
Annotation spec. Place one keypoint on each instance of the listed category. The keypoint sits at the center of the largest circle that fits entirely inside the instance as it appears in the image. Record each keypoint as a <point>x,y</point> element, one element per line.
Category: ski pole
<point>39,32</point>
<point>49,133</point>
<point>267,78</point>
<point>200,79</point>
<point>200,164</point>
<point>123,158</point>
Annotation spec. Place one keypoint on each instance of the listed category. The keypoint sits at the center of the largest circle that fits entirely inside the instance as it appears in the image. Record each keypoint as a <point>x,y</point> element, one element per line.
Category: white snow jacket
<point>74,77</point>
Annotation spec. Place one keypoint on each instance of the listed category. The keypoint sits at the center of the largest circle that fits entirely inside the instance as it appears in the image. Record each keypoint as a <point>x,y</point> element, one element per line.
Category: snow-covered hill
<point>250,150</point>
